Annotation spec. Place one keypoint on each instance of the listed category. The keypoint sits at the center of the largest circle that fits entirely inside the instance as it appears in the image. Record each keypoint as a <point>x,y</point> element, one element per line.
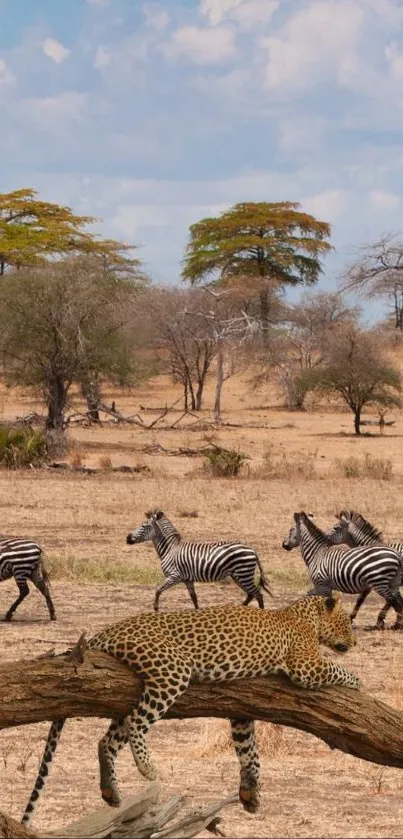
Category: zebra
<point>23,560</point>
<point>353,529</point>
<point>201,562</point>
<point>353,571</point>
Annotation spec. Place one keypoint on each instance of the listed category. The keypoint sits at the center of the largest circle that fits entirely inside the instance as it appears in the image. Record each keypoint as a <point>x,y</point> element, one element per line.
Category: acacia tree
<point>263,247</point>
<point>356,369</point>
<point>379,273</point>
<point>65,323</point>
<point>32,231</point>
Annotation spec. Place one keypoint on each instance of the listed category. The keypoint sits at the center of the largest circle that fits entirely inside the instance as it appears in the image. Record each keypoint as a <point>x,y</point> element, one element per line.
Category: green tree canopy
<point>260,246</point>
<point>32,231</point>
<point>356,369</point>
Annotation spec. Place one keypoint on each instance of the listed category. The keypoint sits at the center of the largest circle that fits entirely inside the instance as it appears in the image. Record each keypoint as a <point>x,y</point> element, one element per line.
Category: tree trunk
<point>90,389</point>
<point>264,315</point>
<point>48,688</point>
<point>219,383</point>
<point>57,402</point>
<point>357,421</point>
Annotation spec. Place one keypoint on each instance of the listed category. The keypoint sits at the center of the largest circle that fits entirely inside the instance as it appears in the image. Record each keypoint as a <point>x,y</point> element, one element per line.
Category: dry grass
<point>379,468</point>
<point>82,522</point>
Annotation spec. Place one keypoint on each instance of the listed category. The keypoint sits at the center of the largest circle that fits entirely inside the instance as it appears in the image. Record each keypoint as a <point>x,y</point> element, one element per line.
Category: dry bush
<point>21,447</point>
<point>278,464</point>
<point>188,514</point>
<point>76,458</point>
<point>378,468</point>
<point>215,739</point>
<point>224,463</point>
<point>105,462</point>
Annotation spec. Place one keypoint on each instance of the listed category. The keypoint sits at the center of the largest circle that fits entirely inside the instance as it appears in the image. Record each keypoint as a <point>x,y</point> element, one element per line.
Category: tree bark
<point>52,687</point>
<point>219,384</point>
<point>57,402</point>
<point>357,421</point>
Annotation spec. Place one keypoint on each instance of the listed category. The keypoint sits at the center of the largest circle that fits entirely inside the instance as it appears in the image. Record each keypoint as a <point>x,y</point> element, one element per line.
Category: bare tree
<point>379,273</point>
<point>355,368</point>
<point>229,327</point>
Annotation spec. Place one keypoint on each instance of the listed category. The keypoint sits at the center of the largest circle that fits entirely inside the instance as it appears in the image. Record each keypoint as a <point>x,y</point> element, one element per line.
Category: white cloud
<point>156,16</point>
<point>6,76</point>
<point>318,40</point>
<point>387,201</point>
<point>53,114</point>
<point>301,133</point>
<point>328,205</point>
<point>216,10</point>
<point>55,50</point>
<point>395,60</point>
<point>246,13</point>
<point>201,45</point>
<point>102,58</point>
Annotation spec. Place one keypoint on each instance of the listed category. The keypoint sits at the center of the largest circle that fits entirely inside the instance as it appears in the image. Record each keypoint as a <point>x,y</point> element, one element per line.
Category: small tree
<point>262,246</point>
<point>356,370</point>
<point>65,323</point>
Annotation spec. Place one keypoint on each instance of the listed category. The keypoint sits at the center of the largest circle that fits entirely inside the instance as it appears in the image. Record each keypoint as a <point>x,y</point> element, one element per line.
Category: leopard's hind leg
<point>244,740</point>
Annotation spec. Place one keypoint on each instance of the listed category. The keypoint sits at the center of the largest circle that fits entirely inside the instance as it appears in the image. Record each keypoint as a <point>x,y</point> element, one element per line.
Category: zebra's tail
<point>263,583</point>
<point>50,748</point>
<point>44,572</point>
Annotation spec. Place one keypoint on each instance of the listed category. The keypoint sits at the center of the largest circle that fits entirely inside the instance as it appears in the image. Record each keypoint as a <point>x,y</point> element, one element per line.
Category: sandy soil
<point>82,521</point>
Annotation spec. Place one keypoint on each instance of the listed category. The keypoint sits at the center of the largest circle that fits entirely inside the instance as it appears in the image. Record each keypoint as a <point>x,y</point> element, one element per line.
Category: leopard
<point>171,650</point>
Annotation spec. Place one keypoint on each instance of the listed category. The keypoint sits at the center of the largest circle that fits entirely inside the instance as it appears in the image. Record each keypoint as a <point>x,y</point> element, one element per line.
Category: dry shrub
<point>278,464</point>
<point>224,463</point>
<point>215,739</point>
<point>105,462</point>
<point>76,458</point>
<point>378,468</point>
<point>188,514</point>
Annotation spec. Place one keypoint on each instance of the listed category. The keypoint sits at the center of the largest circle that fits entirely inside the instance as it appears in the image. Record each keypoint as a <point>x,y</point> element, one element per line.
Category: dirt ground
<point>82,521</point>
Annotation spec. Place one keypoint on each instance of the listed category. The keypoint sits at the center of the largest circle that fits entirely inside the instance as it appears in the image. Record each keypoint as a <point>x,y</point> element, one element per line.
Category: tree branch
<point>59,686</point>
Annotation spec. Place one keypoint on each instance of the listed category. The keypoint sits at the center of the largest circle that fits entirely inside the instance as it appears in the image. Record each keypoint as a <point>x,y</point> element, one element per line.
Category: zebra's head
<point>145,532</point>
<point>340,534</point>
<point>294,537</point>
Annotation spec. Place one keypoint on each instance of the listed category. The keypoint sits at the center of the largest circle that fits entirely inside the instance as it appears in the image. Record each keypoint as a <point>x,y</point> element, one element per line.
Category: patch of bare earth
<point>82,522</point>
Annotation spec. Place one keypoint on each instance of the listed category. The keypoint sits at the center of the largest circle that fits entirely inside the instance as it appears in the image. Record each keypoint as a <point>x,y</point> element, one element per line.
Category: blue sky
<point>152,115</point>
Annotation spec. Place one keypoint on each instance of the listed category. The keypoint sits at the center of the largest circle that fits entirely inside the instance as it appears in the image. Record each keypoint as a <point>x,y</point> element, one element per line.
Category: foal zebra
<point>353,529</point>
<point>23,560</point>
<point>353,571</point>
<point>199,562</point>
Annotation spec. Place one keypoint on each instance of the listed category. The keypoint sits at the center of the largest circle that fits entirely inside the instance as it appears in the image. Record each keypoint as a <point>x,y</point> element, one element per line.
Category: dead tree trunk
<point>100,686</point>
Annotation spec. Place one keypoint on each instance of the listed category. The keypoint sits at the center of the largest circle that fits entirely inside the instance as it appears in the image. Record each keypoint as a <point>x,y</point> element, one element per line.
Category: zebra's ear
<point>158,514</point>
<point>296,517</point>
<point>311,515</point>
<point>148,514</point>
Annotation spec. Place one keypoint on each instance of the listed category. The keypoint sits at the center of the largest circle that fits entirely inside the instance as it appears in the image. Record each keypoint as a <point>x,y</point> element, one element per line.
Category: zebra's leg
<point>360,600</point>
<point>43,587</point>
<point>50,748</point>
<point>24,591</point>
<point>108,748</point>
<point>251,590</point>
<point>191,589</point>
<point>397,604</point>
<point>244,740</point>
<point>169,582</point>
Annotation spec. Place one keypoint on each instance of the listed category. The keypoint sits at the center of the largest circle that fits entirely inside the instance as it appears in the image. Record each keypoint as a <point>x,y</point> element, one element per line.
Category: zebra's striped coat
<point>353,571</point>
<point>199,562</point>
<point>23,560</point>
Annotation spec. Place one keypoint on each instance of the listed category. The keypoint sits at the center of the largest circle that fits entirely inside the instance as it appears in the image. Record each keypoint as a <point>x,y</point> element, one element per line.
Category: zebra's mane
<point>314,530</point>
<point>157,515</point>
<point>366,528</point>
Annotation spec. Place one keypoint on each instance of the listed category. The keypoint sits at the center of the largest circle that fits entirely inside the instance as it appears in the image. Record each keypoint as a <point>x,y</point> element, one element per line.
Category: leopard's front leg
<point>315,672</point>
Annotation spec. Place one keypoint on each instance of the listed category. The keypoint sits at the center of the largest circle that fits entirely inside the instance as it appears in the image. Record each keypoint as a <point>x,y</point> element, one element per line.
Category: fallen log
<point>47,688</point>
